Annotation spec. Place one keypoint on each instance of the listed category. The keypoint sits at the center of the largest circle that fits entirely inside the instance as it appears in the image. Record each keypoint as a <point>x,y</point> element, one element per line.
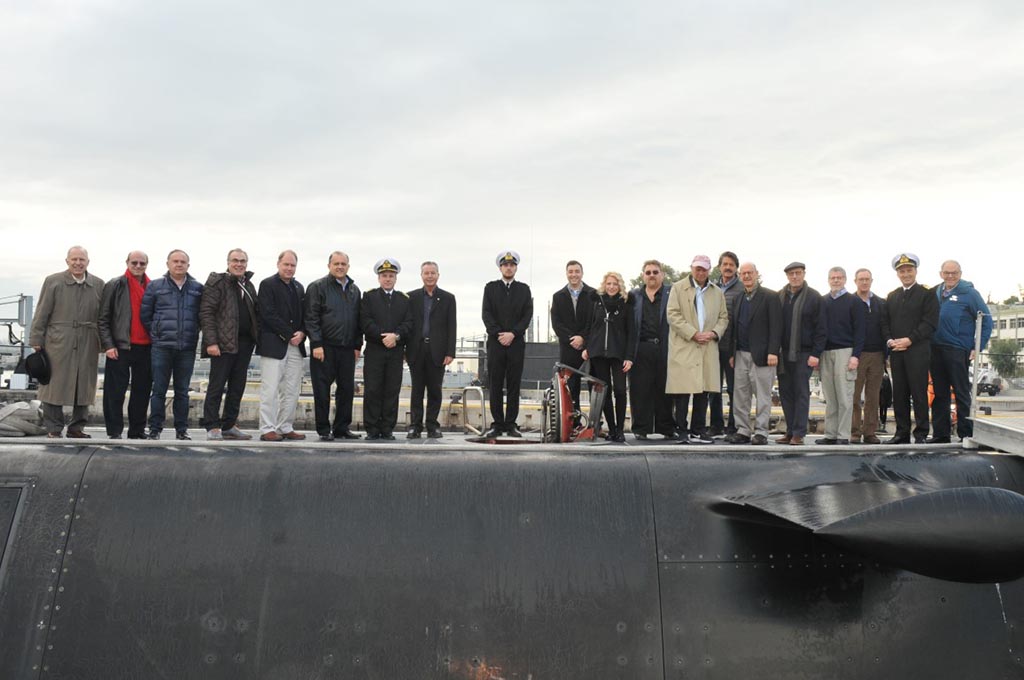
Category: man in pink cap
<point>697,318</point>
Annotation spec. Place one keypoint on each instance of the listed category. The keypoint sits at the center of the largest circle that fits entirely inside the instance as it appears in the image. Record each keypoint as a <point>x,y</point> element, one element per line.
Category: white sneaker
<point>214,435</point>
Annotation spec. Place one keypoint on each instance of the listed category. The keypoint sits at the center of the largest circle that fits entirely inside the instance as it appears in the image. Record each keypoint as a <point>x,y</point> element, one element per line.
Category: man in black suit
<point>571,309</point>
<point>507,313</point>
<point>755,317</point>
<point>386,320</point>
<point>431,347</point>
<point>911,316</point>
<point>282,348</point>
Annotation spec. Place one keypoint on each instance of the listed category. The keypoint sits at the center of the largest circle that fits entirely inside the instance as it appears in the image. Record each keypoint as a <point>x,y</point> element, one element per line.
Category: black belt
<point>652,340</point>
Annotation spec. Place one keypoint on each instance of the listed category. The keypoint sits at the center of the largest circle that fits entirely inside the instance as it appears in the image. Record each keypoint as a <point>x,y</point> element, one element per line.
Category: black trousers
<point>338,367</point>
<point>505,372</point>
<point>228,374</point>
<point>382,383</point>
<point>651,407</point>
<point>949,367</point>
<point>795,393</point>
<point>698,420</point>
<point>132,366</point>
<point>910,382</point>
<point>614,409</point>
<point>425,376</point>
<point>715,399</point>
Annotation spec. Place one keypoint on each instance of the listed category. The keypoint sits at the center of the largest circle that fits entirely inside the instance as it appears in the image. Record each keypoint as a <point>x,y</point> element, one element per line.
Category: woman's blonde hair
<point>623,293</point>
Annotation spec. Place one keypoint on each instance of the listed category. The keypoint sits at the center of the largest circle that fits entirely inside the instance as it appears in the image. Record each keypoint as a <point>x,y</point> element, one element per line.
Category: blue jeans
<point>168,362</point>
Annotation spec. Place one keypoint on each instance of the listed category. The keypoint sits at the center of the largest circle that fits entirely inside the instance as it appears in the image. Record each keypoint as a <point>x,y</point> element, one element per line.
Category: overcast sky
<point>837,133</point>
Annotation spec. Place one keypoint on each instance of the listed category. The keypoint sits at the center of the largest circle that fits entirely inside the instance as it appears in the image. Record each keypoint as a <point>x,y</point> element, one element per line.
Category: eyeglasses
<point>950,273</point>
<point>137,263</point>
<point>651,273</point>
<point>235,260</point>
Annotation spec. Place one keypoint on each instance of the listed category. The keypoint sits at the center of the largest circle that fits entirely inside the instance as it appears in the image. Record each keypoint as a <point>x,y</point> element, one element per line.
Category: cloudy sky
<point>836,133</point>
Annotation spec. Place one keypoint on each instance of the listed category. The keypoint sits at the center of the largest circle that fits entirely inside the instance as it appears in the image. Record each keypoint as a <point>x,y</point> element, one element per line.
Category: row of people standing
<point>149,330</point>
<point>695,338</point>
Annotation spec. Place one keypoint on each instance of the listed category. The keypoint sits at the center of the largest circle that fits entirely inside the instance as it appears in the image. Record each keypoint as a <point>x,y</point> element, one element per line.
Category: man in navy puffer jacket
<point>170,313</point>
<point>953,351</point>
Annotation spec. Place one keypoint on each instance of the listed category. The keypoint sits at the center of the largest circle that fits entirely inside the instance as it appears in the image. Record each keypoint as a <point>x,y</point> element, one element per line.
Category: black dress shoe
<point>387,436</point>
<point>920,440</point>
<point>113,436</point>
<point>759,440</point>
<point>374,437</point>
<point>413,433</point>
<point>618,438</point>
<point>937,440</point>
<point>492,433</point>
<point>153,434</point>
<point>327,437</point>
<point>640,435</point>
<point>896,440</point>
<point>514,432</point>
<point>737,438</point>
<point>348,434</point>
<point>827,441</point>
<point>434,434</point>
<point>182,436</point>
<point>843,442</point>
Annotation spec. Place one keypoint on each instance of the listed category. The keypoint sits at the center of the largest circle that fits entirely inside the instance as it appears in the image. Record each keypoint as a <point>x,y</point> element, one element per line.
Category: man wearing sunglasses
<point>127,346</point>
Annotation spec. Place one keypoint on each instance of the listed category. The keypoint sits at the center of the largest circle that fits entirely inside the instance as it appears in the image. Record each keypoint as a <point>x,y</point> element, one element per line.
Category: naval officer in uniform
<point>507,312</point>
<point>911,316</point>
<point>386,320</point>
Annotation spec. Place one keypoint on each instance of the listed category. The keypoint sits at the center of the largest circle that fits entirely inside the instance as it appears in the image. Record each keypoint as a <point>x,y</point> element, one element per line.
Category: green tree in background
<point>1002,353</point>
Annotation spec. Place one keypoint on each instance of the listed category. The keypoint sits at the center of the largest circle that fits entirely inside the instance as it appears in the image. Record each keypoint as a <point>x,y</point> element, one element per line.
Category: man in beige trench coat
<point>65,326</point>
<point>697,317</point>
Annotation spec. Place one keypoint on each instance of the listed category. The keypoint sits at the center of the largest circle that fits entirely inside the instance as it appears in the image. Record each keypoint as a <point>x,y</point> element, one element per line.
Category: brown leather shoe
<point>270,437</point>
<point>785,439</point>
<point>78,434</point>
<point>293,436</point>
<point>796,441</point>
<point>855,440</point>
<point>871,439</point>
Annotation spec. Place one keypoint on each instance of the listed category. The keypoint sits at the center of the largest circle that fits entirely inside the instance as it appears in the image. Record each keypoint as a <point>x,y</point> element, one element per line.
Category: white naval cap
<point>507,256</point>
<point>905,258</point>
<point>388,264</point>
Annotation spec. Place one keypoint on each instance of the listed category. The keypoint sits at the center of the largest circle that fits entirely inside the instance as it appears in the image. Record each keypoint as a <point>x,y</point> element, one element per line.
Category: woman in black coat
<point>609,341</point>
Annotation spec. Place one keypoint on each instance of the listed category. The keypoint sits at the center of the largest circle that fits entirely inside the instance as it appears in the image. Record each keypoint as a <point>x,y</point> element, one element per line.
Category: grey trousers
<point>752,381</point>
<point>837,387</point>
<point>53,418</point>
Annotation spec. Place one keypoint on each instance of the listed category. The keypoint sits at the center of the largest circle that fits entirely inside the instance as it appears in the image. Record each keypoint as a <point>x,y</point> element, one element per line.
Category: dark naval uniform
<point>914,314</point>
<point>383,312</point>
<point>432,339</point>
<point>506,308</point>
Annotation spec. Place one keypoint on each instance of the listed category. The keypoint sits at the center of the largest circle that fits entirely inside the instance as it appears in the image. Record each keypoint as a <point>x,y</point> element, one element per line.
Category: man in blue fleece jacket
<point>953,351</point>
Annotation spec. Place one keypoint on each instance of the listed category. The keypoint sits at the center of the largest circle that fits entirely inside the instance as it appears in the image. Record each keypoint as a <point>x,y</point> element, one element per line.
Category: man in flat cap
<point>507,313</point>
<point>385,317</point>
<point>697,317</point>
<point>65,326</point>
<point>331,314</point>
<point>803,341</point>
<point>430,349</point>
<point>910,318</point>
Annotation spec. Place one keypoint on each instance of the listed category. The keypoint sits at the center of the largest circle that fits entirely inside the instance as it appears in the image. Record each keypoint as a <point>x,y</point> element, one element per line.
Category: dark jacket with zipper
<point>332,314</point>
<point>170,314</point>
<point>219,311</point>
<point>612,331</point>
<point>115,322</point>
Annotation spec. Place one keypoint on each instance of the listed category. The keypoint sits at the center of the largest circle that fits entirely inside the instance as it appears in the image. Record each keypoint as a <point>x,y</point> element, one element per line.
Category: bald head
<point>748,275</point>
